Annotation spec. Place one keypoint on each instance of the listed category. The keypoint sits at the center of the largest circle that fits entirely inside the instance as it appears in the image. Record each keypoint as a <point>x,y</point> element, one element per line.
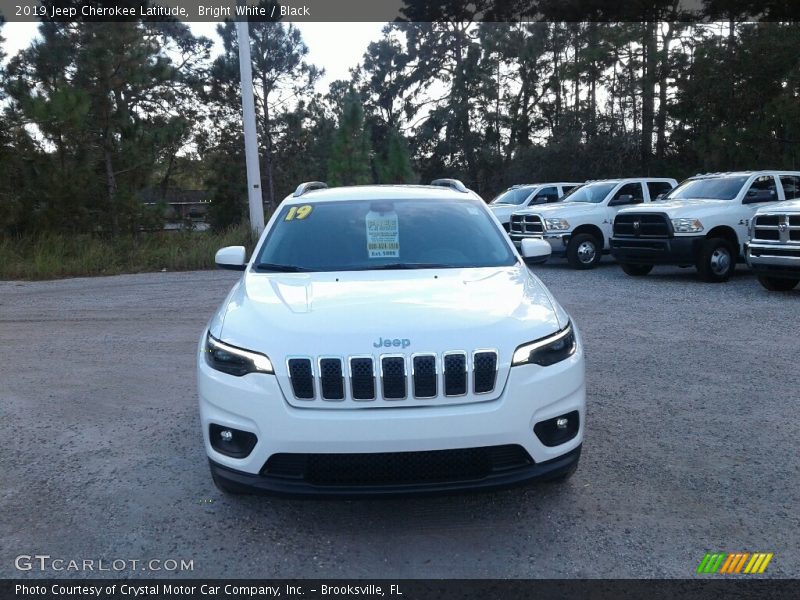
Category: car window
<point>791,186</point>
<point>513,196</point>
<point>547,194</point>
<point>709,188</point>
<point>656,188</point>
<point>591,192</point>
<point>372,234</point>
<point>566,189</point>
<point>765,183</point>
<point>630,189</point>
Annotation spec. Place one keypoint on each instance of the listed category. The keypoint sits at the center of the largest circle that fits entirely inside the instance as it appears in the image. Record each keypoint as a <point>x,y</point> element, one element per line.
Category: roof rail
<point>309,186</point>
<point>453,184</point>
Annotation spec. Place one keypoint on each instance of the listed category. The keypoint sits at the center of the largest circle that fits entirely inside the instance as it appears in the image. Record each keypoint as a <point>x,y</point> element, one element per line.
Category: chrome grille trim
<point>310,360</point>
<point>383,377</point>
<point>474,371</point>
<point>321,383</point>
<point>775,228</point>
<point>444,372</point>
<point>350,376</point>
<point>435,374</point>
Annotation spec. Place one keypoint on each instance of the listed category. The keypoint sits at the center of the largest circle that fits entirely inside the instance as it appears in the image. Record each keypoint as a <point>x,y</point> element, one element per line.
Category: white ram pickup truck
<point>388,339</point>
<point>704,223</point>
<point>522,196</point>
<point>774,249</point>
<point>579,227</point>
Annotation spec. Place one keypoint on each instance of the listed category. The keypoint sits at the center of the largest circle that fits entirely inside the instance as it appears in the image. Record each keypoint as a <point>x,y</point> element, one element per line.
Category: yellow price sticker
<point>298,212</point>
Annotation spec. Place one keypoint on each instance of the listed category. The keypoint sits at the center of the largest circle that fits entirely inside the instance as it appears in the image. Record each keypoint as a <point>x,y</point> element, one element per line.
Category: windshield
<point>591,192</point>
<point>716,188</point>
<point>514,196</point>
<point>357,235</point>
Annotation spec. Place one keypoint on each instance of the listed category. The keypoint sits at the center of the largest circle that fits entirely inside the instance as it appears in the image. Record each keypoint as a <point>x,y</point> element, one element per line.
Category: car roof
<point>629,180</point>
<point>743,173</point>
<point>382,192</point>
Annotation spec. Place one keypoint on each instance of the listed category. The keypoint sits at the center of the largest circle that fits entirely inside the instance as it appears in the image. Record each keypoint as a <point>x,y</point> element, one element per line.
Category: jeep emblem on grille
<point>388,343</point>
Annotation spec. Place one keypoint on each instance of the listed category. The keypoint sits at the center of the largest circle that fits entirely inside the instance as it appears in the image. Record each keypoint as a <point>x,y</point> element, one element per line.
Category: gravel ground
<point>691,443</point>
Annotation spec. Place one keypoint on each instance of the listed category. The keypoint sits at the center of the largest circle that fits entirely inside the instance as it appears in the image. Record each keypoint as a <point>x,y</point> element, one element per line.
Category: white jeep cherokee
<point>388,339</point>
<point>774,249</point>
<point>525,195</point>
<point>703,222</point>
<point>579,227</point>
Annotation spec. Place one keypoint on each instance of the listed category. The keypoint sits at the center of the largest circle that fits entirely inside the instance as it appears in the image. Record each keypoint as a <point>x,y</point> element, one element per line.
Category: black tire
<point>224,487</point>
<point>584,251</point>
<point>636,270</point>
<point>717,260</point>
<point>777,284</point>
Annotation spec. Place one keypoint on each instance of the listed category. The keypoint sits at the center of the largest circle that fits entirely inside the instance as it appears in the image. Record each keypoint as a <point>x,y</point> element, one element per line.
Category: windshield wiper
<point>280,268</point>
<point>391,266</point>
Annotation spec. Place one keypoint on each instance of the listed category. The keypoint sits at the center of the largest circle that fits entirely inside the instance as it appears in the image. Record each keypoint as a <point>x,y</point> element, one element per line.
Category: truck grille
<point>397,468</point>
<point>642,225</point>
<point>526,224</point>
<point>393,377</point>
<point>781,229</point>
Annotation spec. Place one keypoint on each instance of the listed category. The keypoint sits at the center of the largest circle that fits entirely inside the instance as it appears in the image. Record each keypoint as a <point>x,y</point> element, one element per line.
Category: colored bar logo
<point>733,563</point>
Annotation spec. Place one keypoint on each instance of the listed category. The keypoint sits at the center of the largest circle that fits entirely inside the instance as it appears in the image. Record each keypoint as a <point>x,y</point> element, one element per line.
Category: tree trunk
<point>661,119</point>
<point>648,92</point>
<point>111,186</point>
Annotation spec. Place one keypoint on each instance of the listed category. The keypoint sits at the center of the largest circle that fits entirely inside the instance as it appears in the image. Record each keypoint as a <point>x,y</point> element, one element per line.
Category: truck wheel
<point>717,260</point>
<point>777,284</point>
<point>584,251</point>
<point>636,270</point>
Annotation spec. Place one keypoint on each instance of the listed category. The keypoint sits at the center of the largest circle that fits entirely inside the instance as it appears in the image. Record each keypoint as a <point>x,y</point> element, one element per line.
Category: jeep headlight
<point>556,224</point>
<point>233,360</point>
<point>548,350</point>
<point>687,225</point>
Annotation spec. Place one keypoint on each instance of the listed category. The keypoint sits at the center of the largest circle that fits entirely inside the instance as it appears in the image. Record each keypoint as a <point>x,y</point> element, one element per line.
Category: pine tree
<point>350,155</point>
<point>394,164</point>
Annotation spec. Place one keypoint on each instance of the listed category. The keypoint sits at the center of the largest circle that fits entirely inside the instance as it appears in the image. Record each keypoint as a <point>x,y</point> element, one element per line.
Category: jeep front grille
<point>393,377</point>
<point>526,224</point>
<point>782,229</point>
<point>642,225</point>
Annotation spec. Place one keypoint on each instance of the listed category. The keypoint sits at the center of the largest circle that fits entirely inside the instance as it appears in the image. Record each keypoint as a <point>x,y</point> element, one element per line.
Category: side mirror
<point>753,196</point>
<point>231,257</point>
<point>535,251</point>
<point>661,196</point>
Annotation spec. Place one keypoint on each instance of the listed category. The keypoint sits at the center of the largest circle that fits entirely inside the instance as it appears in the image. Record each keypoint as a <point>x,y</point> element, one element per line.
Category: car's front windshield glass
<point>591,192</point>
<point>713,188</point>
<point>356,235</point>
<point>514,196</point>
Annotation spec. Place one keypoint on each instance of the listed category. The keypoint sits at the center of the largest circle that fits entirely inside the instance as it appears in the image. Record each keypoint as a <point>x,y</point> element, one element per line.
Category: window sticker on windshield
<point>298,212</point>
<point>383,235</point>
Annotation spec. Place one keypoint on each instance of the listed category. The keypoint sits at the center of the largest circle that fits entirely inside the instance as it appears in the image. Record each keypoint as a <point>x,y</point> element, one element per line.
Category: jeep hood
<point>345,313</point>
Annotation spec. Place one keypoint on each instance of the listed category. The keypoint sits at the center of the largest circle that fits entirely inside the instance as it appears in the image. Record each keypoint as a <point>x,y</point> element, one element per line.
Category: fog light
<point>558,430</point>
<point>231,442</point>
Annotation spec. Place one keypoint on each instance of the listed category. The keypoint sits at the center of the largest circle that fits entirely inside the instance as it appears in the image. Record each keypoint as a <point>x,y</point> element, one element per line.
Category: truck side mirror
<point>622,199</point>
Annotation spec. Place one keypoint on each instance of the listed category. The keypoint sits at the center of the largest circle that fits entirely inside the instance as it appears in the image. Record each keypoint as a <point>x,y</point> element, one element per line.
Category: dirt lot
<point>692,443</point>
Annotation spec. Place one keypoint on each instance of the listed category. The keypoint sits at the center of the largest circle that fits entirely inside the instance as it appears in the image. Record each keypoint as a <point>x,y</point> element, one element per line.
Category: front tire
<point>717,260</point>
<point>777,284</point>
<point>636,270</point>
<point>584,251</point>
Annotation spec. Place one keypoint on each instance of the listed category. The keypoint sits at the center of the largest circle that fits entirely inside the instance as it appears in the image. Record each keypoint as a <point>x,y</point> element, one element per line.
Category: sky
<point>336,47</point>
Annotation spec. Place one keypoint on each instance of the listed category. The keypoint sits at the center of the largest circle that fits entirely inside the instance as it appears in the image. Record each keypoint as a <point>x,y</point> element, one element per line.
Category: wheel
<point>717,260</point>
<point>636,270</point>
<point>584,251</point>
<point>777,284</point>
<point>224,487</point>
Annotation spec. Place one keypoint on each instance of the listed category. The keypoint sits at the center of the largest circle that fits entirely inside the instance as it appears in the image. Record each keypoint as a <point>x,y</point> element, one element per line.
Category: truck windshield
<point>515,196</point>
<point>713,188</point>
<point>591,192</point>
<point>357,235</point>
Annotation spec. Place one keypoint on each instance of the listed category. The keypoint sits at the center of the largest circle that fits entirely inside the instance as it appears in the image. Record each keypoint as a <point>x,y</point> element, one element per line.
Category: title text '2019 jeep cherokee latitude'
<point>703,222</point>
<point>388,339</point>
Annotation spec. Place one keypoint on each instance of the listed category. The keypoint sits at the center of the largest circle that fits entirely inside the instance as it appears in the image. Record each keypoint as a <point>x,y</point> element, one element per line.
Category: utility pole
<point>249,121</point>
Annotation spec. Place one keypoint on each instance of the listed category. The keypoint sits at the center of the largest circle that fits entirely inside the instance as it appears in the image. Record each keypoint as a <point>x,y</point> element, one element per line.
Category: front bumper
<point>678,250</point>
<point>774,260</point>
<point>255,404</point>
<point>558,241</point>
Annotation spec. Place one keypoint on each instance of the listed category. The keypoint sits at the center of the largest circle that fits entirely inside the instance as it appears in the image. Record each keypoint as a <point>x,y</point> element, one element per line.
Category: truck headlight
<point>547,351</point>
<point>556,224</point>
<point>687,225</point>
<point>233,360</point>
